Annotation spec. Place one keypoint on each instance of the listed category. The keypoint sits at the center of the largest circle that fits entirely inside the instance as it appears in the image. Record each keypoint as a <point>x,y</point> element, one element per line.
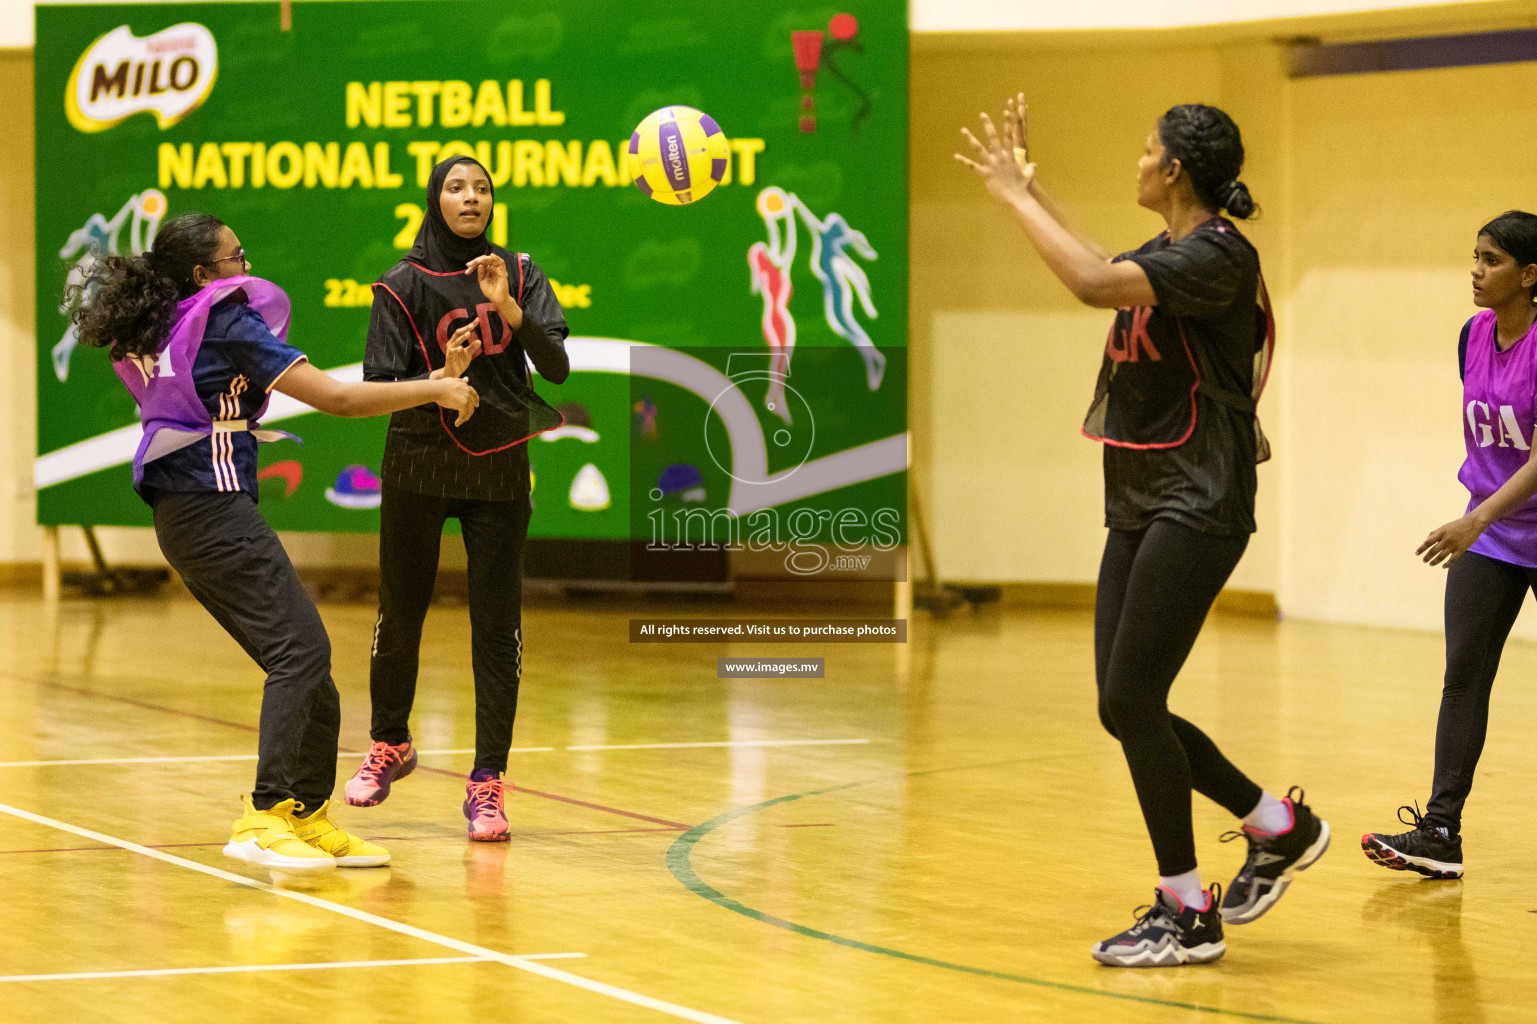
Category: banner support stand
<point>50,564</point>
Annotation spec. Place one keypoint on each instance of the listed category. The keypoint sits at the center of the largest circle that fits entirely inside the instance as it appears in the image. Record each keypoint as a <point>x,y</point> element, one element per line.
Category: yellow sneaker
<point>348,850</point>
<point>266,839</point>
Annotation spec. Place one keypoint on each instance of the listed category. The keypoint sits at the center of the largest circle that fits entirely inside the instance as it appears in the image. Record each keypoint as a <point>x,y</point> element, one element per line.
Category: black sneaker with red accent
<point>1433,851</point>
<point>1272,861</point>
<point>1167,934</point>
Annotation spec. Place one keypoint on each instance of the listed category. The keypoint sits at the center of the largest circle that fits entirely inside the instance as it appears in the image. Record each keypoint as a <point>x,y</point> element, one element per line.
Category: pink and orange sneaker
<point>382,765</point>
<point>483,806</point>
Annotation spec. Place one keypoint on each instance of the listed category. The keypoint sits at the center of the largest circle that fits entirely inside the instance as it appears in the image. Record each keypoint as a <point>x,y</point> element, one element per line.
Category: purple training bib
<point>173,414</point>
<point>1499,412</point>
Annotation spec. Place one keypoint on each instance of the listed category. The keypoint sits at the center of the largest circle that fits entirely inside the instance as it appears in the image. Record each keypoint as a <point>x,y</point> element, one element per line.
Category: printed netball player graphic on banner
<point>141,214</point>
<point>772,442</point>
<point>842,280</point>
<point>834,247</point>
<point>771,264</point>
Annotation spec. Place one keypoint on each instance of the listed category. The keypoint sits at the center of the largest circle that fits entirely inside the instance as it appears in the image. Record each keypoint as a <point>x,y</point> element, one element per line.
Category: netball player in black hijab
<point>460,306</point>
<point>1184,364</point>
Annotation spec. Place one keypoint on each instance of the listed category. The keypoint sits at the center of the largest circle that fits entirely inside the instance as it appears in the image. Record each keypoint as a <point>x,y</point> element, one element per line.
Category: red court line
<point>524,835</point>
<point>677,825</point>
<point>65,849</point>
<point>597,832</point>
<point>568,800</point>
<point>26,677</point>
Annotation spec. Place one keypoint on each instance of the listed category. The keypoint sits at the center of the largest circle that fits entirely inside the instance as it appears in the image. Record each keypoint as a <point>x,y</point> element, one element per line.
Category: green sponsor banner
<point>745,351</point>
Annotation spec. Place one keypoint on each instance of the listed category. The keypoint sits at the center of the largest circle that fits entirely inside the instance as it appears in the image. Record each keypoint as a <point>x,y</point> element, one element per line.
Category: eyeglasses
<point>239,255</point>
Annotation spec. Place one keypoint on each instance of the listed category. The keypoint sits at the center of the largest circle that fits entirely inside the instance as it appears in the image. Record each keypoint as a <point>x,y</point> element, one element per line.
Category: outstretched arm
<point>370,398</point>
<point>1056,213</point>
<point>1084,271</point>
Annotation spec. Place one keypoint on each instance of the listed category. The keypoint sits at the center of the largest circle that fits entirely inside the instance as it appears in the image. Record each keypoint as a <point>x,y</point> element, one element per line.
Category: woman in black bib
<point>1174,406</point>
<point>460,306</point>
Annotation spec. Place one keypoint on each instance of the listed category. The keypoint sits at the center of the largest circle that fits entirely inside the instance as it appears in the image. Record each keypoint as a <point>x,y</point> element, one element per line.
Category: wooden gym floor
<point>935,836</point>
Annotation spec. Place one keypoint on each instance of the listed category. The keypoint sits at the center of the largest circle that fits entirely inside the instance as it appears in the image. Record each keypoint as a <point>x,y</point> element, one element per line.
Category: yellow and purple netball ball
<point>678,155</point>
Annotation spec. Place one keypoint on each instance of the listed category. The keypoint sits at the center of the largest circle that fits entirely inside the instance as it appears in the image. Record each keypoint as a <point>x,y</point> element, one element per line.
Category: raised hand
<point>1002,162</point>
<point>1016,112</point>
<point>491,271</point>
<point>462,347</point>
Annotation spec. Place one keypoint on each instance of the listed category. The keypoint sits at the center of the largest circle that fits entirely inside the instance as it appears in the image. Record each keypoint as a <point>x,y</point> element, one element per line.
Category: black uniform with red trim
<point>415,312</point>
<point>1175,401</point>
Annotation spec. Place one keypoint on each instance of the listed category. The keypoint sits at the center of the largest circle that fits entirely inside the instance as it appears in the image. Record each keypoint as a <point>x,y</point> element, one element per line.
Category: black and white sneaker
<point>1272,861</point>
<point>1167,934</point>
<point>1433,852</point>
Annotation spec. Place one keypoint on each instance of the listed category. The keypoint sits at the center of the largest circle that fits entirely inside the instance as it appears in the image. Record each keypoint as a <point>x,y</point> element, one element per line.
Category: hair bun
<point>1237,201</point>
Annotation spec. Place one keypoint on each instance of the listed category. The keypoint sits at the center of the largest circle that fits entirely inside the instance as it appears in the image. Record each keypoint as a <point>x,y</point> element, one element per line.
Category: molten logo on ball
<point>677,167</point>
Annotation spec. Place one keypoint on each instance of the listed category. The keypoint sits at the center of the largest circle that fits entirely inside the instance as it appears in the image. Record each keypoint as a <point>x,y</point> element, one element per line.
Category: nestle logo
<point>173,45</point>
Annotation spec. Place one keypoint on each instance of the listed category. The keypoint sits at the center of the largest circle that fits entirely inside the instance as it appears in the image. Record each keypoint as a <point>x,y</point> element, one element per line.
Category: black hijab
<point>437,247</point>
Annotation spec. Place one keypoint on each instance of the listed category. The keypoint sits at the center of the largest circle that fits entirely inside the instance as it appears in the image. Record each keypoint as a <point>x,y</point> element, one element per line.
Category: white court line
<point>722,743</point>
<point>552,956</point>
<point>467,750</point>
<point>458,945</point>
<point>166,972</point>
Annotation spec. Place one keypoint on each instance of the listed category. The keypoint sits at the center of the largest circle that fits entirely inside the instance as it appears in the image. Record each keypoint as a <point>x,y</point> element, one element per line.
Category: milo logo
<point>168,74</point>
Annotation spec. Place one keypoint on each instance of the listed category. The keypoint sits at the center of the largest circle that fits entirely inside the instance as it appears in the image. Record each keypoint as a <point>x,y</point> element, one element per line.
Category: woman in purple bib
<point>1490,553</point>
<point>201,345</point>
<point>1175,409</point>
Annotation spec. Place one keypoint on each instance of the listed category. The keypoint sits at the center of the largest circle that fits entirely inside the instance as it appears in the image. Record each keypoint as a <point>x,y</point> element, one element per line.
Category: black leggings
<point>1155,588</point>
<point>1483,598</point>
<point>233,563</point>
<point>410,530</point>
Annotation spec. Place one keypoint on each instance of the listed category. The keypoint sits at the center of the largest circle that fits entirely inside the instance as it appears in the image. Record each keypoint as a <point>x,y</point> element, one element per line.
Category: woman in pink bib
<point>1491,552</point>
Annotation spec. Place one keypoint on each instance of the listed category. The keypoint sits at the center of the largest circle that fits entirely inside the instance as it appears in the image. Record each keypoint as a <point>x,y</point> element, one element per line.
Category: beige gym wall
<point>20,540</point>
<point>1011,490</point>
<point>1372,187</point>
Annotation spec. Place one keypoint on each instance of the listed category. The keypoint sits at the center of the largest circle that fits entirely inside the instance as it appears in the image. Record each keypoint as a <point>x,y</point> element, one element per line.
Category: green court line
<point>679,862</point>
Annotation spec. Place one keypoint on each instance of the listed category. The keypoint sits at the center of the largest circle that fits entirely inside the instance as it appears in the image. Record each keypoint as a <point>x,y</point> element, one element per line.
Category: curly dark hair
<point>1207,145</point>
<point>126,303</point>
<point>1515,232</point>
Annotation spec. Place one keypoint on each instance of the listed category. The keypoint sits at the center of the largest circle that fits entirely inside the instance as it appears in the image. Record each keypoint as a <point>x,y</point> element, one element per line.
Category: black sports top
<point>415,311</point>
<point>1175,398</point>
